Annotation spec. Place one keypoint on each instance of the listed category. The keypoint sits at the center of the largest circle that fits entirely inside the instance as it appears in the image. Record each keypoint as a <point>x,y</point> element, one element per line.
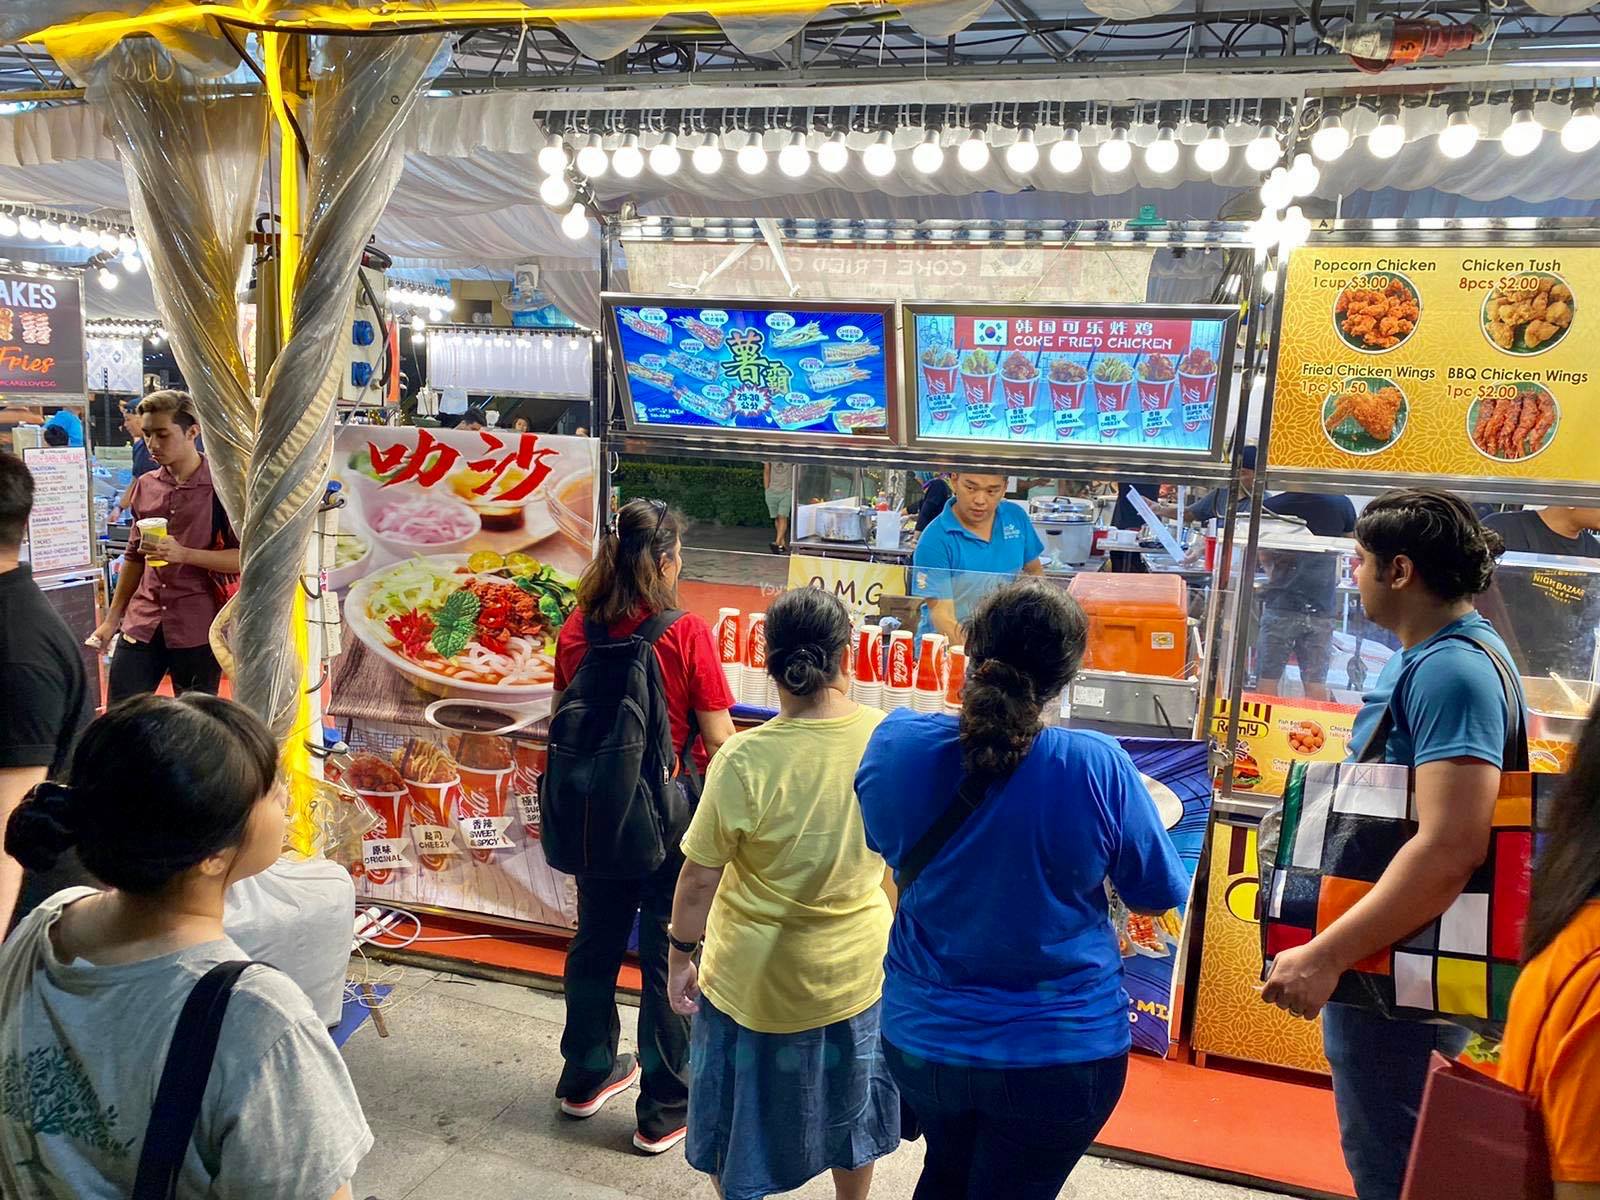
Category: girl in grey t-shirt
<point>169,802</point>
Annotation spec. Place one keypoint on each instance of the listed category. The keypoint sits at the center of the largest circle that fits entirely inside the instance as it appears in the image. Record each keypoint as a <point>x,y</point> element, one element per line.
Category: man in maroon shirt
<point>164,613</point>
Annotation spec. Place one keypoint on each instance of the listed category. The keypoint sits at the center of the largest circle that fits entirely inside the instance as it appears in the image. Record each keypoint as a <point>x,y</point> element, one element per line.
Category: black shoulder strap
<point>968,797</point>
<point>183,1082</point>
<point>1515,754</point>
<point>657,625</point>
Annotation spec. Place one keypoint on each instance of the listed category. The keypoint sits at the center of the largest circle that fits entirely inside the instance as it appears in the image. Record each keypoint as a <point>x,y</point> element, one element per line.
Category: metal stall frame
<point>1440,233</point>
<point>1220,468</point>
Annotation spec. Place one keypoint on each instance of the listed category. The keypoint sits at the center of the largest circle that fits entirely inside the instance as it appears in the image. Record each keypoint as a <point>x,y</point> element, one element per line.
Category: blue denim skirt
<point>769,1111</point>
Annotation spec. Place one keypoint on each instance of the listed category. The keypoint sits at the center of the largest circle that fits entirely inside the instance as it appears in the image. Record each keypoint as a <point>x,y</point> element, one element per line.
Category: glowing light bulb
<point>1276,192</point>
<point>591,160</point>
<point>576,223</point>
<point>108,278</point>
<point>973,154</point>
<point>132,263</point>
<point>555,191</point>
<point>1331,139</point>
<point>50,231</point>
<point>628,160</point>
<point>707,156</point>
<point>834,154</point>
<point>928,156</point>
<point>1304,175</point>
<point>794,160</point>
<point>878,158</point>
<point>1296,229</point>
<point>1212,154</point>
<point>1388,138</point>
<point>28,227</point>
<point>553,155</point>
<point>1161,155</point>
<point>1523,135</point>
<point>1264,152</point>
<point>1022,155</point>
<point>8,225</point>
<point>1066,155</point>
<point>1459,135</point>
<point>70,234</point>
<point>752,157</point>
<point>1581,133</point>
<point>1115,153</point>
<point>126,244</point>
<point>665,157</point>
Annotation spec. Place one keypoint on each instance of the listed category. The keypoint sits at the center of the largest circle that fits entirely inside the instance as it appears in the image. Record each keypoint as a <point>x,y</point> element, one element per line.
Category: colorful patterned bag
<point>1340,826</point>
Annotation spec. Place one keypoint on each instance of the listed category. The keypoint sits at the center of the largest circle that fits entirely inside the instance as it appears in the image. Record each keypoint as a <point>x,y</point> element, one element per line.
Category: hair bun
<point>999,674</point>
<point>44,827</point>
<point>802,670</point>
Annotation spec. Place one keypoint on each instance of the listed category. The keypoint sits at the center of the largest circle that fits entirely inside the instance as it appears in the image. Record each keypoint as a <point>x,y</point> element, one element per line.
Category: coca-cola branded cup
<point>485,792</point>
<point>390,808</point>
<point>729,635</point>
<point>430,805</point>
<point>933,665</point>
<point>1066,406</point>
<point>755,660</point>
<point>955,678</point>
<point>940,383</point>
<point>1197,394</point>
<point>528,761</point>
<point>900,680</point>
<point>866,685</point>
<point>1019,395</point>
<point>1155,397</point>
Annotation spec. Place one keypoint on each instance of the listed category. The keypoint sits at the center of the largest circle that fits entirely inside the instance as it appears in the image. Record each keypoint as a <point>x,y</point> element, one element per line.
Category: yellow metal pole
<point>285,69</point>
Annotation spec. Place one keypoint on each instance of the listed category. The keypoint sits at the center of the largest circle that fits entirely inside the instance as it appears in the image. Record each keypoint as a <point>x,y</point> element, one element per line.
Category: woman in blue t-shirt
<point>1004,1018</point>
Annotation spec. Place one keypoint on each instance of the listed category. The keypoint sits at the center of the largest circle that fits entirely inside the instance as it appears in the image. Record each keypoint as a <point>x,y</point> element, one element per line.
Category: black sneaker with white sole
<point>623,1076</point>
<point>658,1145</point>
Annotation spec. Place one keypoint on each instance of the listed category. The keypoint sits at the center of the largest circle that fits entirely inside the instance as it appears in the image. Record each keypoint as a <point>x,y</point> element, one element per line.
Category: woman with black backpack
<point>1005,1022</point>
<point>631,671</point>
<point>168,803</point>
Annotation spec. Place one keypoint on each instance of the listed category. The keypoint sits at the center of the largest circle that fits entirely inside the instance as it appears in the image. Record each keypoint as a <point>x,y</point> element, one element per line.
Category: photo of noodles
<point>1377,312</point>
<point>1514,427</point>
<point>1365,416</point>
<point>459,624</point>
<point>1529,313</point>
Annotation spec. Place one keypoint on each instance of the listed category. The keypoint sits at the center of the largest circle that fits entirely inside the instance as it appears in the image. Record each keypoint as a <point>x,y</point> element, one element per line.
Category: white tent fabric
<point>539,364</point>
<point>468,194</point>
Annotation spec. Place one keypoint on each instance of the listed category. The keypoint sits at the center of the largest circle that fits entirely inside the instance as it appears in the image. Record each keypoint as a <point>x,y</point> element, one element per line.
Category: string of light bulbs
<point>110,241</point>
<point>1389,123</point>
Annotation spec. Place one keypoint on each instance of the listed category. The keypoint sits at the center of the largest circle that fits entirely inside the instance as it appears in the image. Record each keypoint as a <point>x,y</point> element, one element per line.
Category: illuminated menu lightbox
<point>1134,377</point>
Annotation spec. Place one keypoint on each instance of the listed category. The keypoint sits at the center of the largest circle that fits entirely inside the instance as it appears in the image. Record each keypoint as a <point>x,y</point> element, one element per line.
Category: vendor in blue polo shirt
<point>978,543</point>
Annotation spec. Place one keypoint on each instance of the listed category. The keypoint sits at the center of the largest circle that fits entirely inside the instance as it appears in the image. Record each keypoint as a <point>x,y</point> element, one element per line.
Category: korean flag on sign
<point>989,333</point>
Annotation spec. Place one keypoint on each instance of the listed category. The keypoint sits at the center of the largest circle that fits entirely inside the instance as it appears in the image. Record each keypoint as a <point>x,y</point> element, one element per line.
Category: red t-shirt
<point>690,671</point>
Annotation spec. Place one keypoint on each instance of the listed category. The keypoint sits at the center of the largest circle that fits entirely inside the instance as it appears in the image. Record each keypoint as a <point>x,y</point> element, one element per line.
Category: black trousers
<point>606,909</point>
<point>139,667</point>
<point>1004,1132</point>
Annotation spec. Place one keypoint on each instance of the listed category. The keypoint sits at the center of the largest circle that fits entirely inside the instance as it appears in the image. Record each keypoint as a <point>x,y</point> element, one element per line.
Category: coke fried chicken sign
<point>41,335</point>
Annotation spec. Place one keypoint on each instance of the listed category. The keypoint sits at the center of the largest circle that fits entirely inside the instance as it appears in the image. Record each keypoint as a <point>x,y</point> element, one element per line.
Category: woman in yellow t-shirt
<point>787,1075</point>
<point>1552,1044</point>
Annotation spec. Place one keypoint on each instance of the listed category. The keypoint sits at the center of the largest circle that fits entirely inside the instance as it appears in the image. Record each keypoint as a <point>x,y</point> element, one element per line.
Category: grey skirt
<point>769,1111</point>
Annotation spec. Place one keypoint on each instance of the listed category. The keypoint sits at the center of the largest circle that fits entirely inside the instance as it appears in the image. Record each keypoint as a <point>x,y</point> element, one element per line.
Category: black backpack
<point>613,803</point>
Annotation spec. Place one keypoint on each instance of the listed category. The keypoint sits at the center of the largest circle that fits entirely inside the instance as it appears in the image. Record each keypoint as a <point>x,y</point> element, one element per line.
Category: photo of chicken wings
<point>1365,416</point>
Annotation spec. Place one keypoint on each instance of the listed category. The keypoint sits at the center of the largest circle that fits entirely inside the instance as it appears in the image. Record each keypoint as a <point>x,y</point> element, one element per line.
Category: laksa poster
<point>456,560</point>
<point>41,335</point>
<point>1422,361</point>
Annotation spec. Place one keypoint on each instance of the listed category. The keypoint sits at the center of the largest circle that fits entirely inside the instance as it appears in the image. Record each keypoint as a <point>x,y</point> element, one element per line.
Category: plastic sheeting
<point>533,364</point>
<point>192,162</point>
<point>359,103</point>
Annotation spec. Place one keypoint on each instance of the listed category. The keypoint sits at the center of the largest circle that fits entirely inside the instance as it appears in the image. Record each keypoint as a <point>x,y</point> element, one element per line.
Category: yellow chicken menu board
<point>1474,362</point>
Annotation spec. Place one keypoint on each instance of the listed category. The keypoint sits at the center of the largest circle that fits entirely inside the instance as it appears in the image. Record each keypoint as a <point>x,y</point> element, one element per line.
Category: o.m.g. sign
<point>41,335</point>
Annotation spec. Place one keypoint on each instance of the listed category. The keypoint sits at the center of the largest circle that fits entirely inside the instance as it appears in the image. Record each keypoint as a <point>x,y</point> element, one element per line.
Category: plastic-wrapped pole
<point>192,160</point>
<point>368,88</point>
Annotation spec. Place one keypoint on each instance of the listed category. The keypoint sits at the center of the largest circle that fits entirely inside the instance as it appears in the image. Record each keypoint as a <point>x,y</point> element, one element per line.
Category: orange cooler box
<point>1137,623</point>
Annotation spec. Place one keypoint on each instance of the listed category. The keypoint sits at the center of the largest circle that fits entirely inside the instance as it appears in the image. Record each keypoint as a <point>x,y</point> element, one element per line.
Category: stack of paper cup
<point>900,684</point>
<point>754,676</point>
<point>933,664</point>
<point>730,649</point>
<point>955,678</point>
<point>866,685</point>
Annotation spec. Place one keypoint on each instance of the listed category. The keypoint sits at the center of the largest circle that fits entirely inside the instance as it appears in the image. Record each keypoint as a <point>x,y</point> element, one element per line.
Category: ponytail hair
<point>625,578</point>
<point>156,786</point>
<point>1024,645</point>
<point>808,631</point>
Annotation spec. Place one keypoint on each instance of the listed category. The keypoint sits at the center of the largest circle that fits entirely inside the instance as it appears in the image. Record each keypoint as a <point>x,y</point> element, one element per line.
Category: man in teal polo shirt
<point>980,541</point>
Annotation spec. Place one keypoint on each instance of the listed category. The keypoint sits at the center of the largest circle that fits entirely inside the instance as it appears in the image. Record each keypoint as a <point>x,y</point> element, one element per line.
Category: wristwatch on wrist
<point>681,946</point>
